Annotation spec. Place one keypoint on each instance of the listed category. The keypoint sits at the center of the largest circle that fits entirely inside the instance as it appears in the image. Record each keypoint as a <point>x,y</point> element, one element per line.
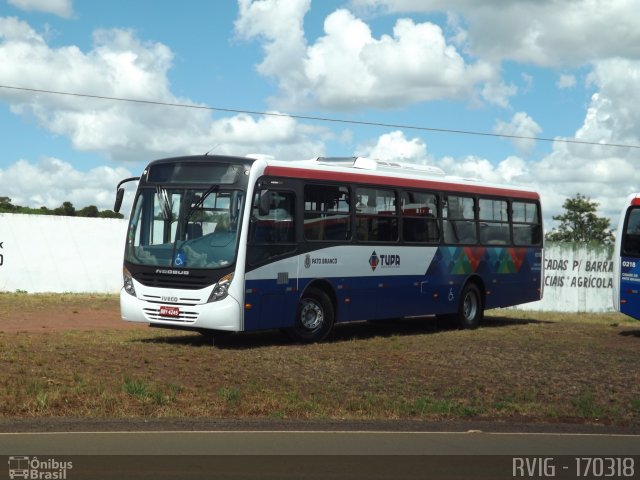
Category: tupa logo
<point>384,261</point>
<point>373,261</point>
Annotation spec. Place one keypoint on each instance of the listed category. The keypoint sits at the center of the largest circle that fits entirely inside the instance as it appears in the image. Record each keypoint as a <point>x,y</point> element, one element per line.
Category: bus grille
<point>186,282</point>
<point>181,301</point>
<point>153,314</point>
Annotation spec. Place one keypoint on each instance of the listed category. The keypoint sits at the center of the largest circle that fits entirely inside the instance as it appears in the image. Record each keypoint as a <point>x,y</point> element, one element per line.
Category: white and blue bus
<point>232,244</point>
<point>626,259</point>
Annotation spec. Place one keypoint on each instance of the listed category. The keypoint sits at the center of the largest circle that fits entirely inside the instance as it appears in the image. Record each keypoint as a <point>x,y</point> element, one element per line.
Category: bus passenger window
<point>376,215</point>
<point>458,214</point>
<point>419,217</point>
<point>527,229</point>
<point>494,222</point>
<point>327,213</point>
<point>276,226</point>
<point>272,234</point>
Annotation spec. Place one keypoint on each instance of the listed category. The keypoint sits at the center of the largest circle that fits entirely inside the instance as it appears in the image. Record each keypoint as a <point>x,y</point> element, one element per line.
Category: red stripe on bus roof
<point>294,172</point>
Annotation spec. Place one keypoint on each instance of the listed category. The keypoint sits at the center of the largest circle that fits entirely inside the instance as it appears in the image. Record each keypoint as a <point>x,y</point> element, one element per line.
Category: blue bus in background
<point>232,244</point>
<point>626,259</point>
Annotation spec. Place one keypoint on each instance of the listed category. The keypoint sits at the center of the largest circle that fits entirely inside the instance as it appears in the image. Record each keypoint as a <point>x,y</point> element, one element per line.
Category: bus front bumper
<point>225,314</point>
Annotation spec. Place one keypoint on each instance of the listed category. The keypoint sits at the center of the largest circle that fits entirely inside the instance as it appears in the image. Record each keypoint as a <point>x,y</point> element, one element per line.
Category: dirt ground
<point>59,321</point>
<point>67,314</point>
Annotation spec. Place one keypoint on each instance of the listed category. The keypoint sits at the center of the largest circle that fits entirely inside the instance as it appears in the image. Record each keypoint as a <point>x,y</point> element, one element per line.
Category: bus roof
<point>633,199</point>
<point>365,170</point>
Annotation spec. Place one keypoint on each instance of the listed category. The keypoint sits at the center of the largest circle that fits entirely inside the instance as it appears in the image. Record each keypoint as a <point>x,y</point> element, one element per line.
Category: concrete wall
<point>577,278</point>
<point>41,253</point>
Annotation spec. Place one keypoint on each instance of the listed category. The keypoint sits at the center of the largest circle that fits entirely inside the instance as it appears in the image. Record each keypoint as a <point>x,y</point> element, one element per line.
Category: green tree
<point>6,206</point>
<point>110,214</point>
<point>90,211</point>
<point>67,209</point>
<point>580,223</point>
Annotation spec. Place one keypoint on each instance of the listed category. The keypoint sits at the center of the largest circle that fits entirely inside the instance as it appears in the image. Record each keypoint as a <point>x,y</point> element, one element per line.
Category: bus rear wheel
<point>470,308</point>
<point>314,317</point>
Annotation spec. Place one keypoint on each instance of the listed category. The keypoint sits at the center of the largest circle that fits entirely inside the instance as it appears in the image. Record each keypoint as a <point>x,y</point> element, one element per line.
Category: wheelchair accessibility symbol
<point>451,296</point>
<point>179,260</point>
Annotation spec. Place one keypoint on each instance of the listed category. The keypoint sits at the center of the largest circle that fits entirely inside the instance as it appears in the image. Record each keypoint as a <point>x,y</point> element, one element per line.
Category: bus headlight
<point>221,289</point>
<point>127,280</point>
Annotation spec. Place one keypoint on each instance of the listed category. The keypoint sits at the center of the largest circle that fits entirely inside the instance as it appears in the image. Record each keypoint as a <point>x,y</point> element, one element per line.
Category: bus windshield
<point>626,259</point>
<point>194,227</point>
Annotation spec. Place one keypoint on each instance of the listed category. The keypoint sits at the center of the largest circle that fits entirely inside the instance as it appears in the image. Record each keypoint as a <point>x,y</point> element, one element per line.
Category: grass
<point>523,366</point>
<point>135,388</point>
<point>20,301</point>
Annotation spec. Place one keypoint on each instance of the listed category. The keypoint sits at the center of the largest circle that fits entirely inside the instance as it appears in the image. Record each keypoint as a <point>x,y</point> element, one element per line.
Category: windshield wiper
<point>165,203</point>
<point>195,206</point>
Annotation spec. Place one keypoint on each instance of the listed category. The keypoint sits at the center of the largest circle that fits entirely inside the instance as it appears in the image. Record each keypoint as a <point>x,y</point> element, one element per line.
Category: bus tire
<point>314,317</point>
<point>470,308</point>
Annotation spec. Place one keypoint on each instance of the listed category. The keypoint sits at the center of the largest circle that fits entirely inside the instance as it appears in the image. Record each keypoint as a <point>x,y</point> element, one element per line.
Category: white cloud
<point>545,32</point>
<point>527,80</point>
<point>498,93</point>
<point>613,115</point>
<point>603,175</point>
<point>566,81</point>
<point>513,169</point>
<point>280,136</point>
<point>52,181</point>
<point>348,68</point>
<point>121,65</point>
<point>470,167</point>
<point>521,125</point>
<point>395,146</point>
<point>279,24</point>
<point>62,8</point>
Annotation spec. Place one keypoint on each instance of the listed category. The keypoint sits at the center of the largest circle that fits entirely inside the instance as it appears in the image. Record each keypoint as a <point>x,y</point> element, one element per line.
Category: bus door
<point>384,287</point>
<point>420,229</point>
<point>629,269</point>
<point>271,282</point>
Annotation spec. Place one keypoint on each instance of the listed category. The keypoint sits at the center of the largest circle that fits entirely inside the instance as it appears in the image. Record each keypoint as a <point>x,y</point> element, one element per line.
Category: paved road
<point>324,454</point>
<point>315,443</point>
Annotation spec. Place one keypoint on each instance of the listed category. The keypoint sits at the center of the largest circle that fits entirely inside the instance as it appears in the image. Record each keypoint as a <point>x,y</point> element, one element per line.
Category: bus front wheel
<point>470,308</point>
<point>314,317</point>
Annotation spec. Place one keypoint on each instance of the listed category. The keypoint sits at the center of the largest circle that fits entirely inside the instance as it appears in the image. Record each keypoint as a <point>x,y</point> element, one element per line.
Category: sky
<point>402,79</point>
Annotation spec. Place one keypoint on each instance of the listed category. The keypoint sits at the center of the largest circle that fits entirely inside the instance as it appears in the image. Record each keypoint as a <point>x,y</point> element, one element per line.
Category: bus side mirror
<point>265,203</point>
<point>120,193</point>
<point>118,202</point>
